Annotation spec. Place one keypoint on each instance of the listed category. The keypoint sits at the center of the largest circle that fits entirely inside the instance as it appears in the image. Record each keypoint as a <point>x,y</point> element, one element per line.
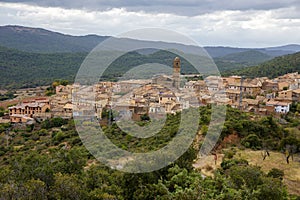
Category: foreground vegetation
<point>48,161</point>
<point>276,160</point>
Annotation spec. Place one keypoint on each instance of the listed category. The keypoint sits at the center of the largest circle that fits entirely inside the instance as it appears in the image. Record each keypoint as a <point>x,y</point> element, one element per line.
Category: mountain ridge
<point>41,40</point>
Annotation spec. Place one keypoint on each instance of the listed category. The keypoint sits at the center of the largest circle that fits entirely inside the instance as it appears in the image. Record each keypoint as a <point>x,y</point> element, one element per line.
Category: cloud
<point>178,7</point>
<point>243,28</point>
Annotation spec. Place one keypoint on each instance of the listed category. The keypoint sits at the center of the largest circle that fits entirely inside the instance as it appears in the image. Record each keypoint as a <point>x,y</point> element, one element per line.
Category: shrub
<point>42,132</point>
<point>35,137</point>
<point>145,117</point>
<point>252,141</point>
<point>54,122</point>
<point>59,137</point>
<point>229,163</point>
<point>229,153</point>
<point>276,173</point>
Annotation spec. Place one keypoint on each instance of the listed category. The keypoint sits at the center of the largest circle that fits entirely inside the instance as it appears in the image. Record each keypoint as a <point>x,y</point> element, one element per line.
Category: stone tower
<point>176,72</point>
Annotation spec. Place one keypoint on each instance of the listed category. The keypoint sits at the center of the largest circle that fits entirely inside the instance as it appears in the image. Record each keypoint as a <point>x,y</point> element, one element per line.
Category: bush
<point>145,117</point>
<point>2,153</point>
<point>252,141</point>
<point>18,140</point>
<point>233,162</point>
<point>271,144</point>
<point>58,137</point>
<point>42,132</point>
<point>29,128</point>
<point>54,122</point>
<point>290,141</point>
<point>76,141</point>
<point>229,153</point>
<point>35,137</point>
<point>57,122</point>
<point>276,173</point>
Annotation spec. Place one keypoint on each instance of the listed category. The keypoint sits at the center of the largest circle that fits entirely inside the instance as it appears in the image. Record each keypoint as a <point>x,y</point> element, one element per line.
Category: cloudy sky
<point>241,23</point>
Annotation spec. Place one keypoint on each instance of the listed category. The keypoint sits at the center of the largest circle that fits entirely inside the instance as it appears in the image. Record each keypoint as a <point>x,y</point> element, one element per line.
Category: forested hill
<point>247,57</point>
<point>240,60</point>
<point>272,68</point>
<point>22,69</point>
<point>44,41</point>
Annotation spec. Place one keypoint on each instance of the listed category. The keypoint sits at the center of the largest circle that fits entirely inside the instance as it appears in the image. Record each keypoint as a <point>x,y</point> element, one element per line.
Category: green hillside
<point>43,41</point>
<point>248,57</point>
<point>48,161</point>
<point>21,69</point>
<point>241,60</point>
<point>273,68</point>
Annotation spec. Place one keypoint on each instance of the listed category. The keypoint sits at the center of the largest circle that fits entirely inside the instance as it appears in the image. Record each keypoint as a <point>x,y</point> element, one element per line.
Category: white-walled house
<point>282,107</point>
<point>279,107</point>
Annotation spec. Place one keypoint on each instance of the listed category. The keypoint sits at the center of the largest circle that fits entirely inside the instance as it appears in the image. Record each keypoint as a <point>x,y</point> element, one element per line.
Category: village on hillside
<point>158,96</point>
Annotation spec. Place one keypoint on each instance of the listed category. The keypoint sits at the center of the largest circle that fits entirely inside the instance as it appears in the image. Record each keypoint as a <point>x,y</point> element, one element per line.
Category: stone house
<point>270,86</point>
<point>23,111</point>
<point>296,95</point>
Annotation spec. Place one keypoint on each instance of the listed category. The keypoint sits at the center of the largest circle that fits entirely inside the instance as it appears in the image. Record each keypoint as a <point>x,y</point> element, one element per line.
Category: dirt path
<point>207,164</point>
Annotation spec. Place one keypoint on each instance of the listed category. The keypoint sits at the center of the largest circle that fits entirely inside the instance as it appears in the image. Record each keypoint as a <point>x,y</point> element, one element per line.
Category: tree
<point>10,191</point>
<point>33,166</point>
<point>70,161</point>
<point>252,141</point>
<point>298,107</point>
<point>2,111</point>
<point>68,187</point>
<point>245,176</point>
<point>35,189</point>
<point>265,153</point>
<point>270,189</point>
<point>103,183</point>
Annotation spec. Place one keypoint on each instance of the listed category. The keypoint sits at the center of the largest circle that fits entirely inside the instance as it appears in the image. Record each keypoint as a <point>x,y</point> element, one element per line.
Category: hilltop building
<point>29,110</point>
<point>170,81</point>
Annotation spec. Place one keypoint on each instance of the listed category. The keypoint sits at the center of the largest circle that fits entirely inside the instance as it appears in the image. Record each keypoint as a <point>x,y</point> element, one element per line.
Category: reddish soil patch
<point>230,140</point>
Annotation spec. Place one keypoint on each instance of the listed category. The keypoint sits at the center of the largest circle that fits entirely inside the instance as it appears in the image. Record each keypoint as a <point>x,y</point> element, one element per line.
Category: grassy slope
<point>276,160</point>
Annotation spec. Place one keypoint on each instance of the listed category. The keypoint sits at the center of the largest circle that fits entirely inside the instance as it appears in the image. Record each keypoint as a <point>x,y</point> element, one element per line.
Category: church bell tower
<point>176,72</point>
